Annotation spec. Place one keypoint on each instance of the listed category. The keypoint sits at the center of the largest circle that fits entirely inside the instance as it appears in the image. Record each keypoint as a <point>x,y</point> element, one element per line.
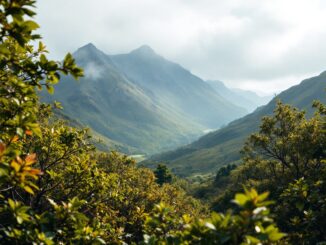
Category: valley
<point>164,144</point>
<point>222,147</point>
<point>158,112</point>
<point>141,100</point>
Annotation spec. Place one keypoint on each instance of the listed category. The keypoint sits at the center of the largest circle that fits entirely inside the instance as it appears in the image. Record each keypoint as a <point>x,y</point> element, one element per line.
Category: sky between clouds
<point>261,45</point>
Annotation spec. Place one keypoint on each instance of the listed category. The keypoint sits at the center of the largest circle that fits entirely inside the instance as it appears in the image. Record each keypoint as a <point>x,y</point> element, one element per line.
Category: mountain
<point>101,142</point>
<point>221,147</point>
<point>140,100</point>
<point>252,96</point>
<point>172,86</point>
<point>242,98</point>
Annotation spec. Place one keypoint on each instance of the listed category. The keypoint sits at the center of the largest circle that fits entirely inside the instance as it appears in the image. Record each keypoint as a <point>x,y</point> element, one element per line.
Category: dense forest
<point>57,188</point>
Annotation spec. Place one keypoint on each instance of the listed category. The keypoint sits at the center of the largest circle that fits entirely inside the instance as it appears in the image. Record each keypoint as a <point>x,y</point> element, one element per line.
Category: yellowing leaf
<point>28,189</point>
<point>2,148</point>
<point>15,139</point>
<point>30,159</point>
<point>11,203</point>
<point>15,165</point>
<point>34,172</point>
<point>29,132</point>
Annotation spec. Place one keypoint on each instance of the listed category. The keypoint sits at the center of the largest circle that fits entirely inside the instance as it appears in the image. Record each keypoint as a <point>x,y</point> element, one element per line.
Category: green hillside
<point>101,142</point>
<point>122,98</point>
<point>106,101</point>
<point>221,147</point>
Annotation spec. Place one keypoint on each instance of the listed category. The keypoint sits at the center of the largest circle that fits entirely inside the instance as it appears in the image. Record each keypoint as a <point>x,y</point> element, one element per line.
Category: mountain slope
<point>172,86</point>
<point>113,106</point>
<point>222,146</point>
<point>242,98</point>
<point>110,100</point>
<point>252,96</point>
<point>101,142</point>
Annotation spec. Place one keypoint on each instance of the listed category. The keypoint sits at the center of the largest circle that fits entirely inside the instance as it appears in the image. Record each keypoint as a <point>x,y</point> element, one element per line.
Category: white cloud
<point>241,42</point>
<point>91,70</point>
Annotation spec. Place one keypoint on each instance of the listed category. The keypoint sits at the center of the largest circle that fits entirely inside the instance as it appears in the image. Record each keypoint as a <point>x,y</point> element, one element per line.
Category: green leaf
<point>50,89</point>
<point>12,203</point>
<point>4,50</point>
<point>100,240</point>
<point>20,131</point>
<point>241,199</point>
<point>43,59</point>
<point>253,240</point>
<point>19,220</point>
<point>275,236</point>
<point>31,25</point>
<point>299,205</point>
<point>263,196</point>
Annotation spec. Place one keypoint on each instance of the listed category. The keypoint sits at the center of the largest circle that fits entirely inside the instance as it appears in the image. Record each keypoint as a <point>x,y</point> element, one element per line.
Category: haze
<point>265,46</point>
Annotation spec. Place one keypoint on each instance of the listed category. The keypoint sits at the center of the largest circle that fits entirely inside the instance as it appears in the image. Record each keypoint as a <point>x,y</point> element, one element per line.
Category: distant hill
<point>221,147</point>
<point>242,98</point>
<point>141,100</point>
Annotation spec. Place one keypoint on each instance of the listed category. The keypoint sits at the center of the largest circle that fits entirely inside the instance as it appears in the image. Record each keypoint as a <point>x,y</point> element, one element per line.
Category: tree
<point>288,146</point>
<point>23,70</point>
<point>222,173</point>
<point>162,174</point>
<point>287,157</point>
<point>54,187</point>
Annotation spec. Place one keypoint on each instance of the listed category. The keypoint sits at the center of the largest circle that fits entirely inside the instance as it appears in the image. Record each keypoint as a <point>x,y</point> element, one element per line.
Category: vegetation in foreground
<point>55,188</point>
<point>286,157</point>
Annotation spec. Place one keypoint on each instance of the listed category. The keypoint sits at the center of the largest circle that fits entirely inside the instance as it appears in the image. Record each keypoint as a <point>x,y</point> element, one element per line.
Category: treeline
<point>55,188</point>
<point>287,158</point>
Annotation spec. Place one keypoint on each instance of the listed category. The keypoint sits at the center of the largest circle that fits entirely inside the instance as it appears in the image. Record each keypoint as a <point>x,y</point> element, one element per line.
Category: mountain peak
<point>144,50</point>
<point>89,47</point>
<point>90,51</point>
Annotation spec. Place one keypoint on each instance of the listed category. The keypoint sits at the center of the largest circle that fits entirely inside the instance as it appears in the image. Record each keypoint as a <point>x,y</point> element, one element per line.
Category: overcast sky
<point>261,45</point>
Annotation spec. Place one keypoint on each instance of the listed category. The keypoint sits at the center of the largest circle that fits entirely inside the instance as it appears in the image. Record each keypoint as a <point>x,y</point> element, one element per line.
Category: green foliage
<point>55,188</point>
<point>162,174</point>
<point>23,69</point>
<point>286,157</point>
<point>222,173</point>
<point>302,208</point>
<point>288,145</point>
<point>115,196</point>
<point>252,225</point>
